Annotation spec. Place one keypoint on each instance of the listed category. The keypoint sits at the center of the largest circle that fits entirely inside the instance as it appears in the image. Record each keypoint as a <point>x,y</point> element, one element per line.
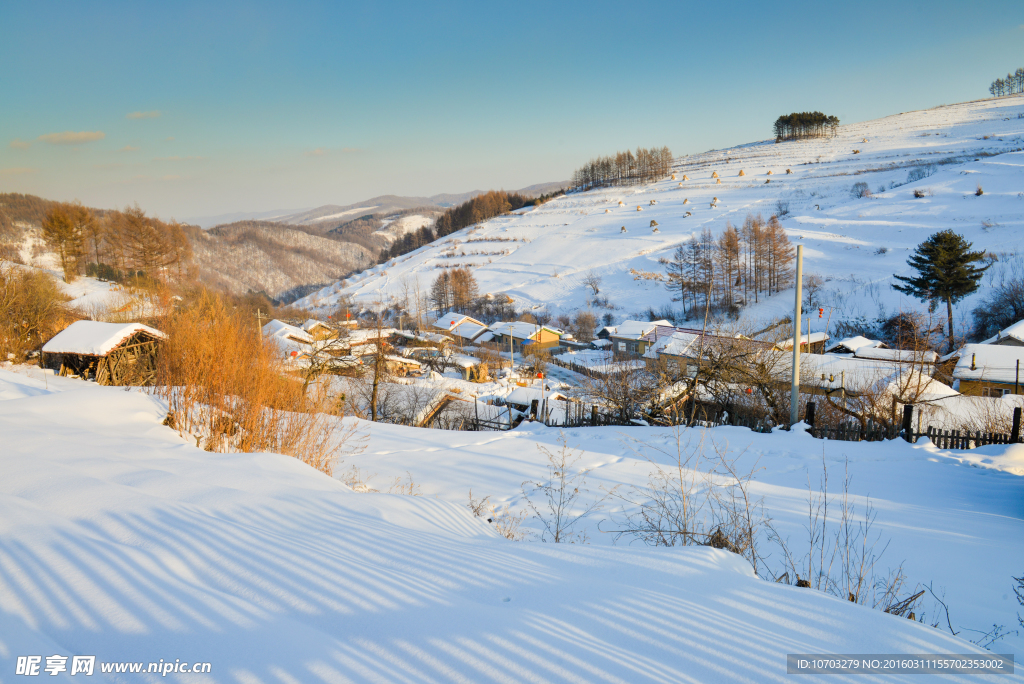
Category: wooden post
<point>593,415</point>
<point>809,413</point>
<point>908,422</point>
<point>794,391</point>
<point>533,409</point>
<point>1015,431</point>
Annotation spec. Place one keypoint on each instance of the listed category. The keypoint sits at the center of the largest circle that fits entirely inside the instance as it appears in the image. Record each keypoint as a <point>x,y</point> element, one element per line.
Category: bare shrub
<point>701,498</point>
<point>919,193</point>
<point>506,523</point>
<point>32,310</point>
<point>860,189</point>
<point>560,502</point>
<point>226,389</point>
<point>407,486</point>
<point>979,192</point>
<point>843,555</point>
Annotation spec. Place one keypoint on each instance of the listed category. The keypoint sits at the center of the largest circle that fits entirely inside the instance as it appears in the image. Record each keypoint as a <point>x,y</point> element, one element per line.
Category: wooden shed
<point>109,353</point>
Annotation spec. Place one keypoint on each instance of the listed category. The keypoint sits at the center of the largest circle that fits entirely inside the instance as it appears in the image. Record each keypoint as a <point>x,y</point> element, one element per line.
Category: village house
<point>633,337</point>
<point>990,370</point>
<point>290,340</point>
<point>810,343</point>
<point>318,329</point>
<point>464,329</point>
<point>109,353</point>
<point>519,333</point>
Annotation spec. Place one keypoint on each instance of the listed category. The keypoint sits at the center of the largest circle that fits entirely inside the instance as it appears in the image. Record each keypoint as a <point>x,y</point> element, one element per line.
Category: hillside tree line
<point>737,266</point>
<point>625,168</point>
<point>1011,85</point>
<point>115,246</point>
<point>799,125</point>
<point>480,208</point>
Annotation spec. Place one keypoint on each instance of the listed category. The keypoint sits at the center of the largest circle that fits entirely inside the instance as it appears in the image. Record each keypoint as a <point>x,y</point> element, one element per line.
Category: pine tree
<point>945,271</point>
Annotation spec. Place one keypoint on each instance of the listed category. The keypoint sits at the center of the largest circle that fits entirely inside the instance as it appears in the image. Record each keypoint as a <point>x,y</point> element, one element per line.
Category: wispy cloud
<point>171,177</point>
<point>129,148</point>
<point>176,158</point>
<point>318,152</point>
<point>143,115</point>
<point>20,144</point>
<point>17,171</point>
<point>169,139</point>
<point>72,137</point>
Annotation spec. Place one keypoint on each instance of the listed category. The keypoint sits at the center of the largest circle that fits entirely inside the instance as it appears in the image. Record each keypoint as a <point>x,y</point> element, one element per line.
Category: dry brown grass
<point>32,310</point>
<point>227,390</point>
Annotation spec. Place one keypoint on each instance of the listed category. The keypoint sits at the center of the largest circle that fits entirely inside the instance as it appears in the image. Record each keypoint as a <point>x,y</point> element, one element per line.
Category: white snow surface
<point>94,338</point>
<point>557,244</point>
<point>120,539</point>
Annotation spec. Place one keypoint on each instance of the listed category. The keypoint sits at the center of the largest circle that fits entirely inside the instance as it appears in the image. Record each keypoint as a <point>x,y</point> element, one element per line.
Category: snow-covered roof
<point>451,320</point>
<point>520,330</point>
<point>806,338</point>
<point>312,323</point>
<point>468,329</point>
<point>485,336</point>
<point>368,335</point>
<point>862,375</point>
<point>522,396</point>
<point>852,344</point>
<point>94,338</point>
<point>601,343</point>
<point>464,360</point>
<point>634,330</point>
<point>902,355</point>
<point>675,344</point>
<point>1014,332</point>
<point>989,363</point>
<point>284,331</point>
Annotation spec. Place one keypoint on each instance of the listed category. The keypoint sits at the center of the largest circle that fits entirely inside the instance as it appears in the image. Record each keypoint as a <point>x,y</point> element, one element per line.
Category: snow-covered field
<point>961,146</point>
<point>121,540</point>
<point>93,297</point>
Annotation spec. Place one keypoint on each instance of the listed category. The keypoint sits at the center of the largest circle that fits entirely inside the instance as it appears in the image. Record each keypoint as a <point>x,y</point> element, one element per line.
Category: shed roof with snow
<point>93,338</point>
<point>849,345</point>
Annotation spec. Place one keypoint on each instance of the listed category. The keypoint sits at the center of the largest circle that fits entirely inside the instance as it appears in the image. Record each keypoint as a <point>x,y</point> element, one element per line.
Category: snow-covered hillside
<point>121,540</point>
<point>856,244</point>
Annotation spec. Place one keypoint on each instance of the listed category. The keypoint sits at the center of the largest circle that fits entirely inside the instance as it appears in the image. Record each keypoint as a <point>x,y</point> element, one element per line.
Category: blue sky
<point>194,109</point>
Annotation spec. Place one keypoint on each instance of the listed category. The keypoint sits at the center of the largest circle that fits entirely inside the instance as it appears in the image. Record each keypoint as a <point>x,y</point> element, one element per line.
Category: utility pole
<point>794,396</point>
<point>259,319</point>
<point>1016,379</point>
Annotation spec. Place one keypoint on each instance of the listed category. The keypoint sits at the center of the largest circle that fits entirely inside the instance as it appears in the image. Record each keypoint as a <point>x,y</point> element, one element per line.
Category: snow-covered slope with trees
<point>119,539</point>
<point>855,243</point>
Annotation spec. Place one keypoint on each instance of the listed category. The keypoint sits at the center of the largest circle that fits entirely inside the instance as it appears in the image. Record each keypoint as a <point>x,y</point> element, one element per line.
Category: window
<point>994,392</point>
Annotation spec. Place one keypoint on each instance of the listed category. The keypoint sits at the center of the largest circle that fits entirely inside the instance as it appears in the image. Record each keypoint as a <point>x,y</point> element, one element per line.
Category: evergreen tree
<point>945,271</point>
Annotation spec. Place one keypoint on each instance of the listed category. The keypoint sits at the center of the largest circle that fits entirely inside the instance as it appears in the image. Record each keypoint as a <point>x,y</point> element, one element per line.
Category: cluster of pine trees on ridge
<point>1011,85</point>
<point>799,125</point>
<point>624,168</point>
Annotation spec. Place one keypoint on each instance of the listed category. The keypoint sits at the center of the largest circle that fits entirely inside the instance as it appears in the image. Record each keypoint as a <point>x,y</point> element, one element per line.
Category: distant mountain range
<point>336,214</point>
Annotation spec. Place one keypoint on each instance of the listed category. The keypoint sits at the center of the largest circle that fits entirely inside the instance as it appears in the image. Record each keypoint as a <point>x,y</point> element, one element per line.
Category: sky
<point>195,109</point>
